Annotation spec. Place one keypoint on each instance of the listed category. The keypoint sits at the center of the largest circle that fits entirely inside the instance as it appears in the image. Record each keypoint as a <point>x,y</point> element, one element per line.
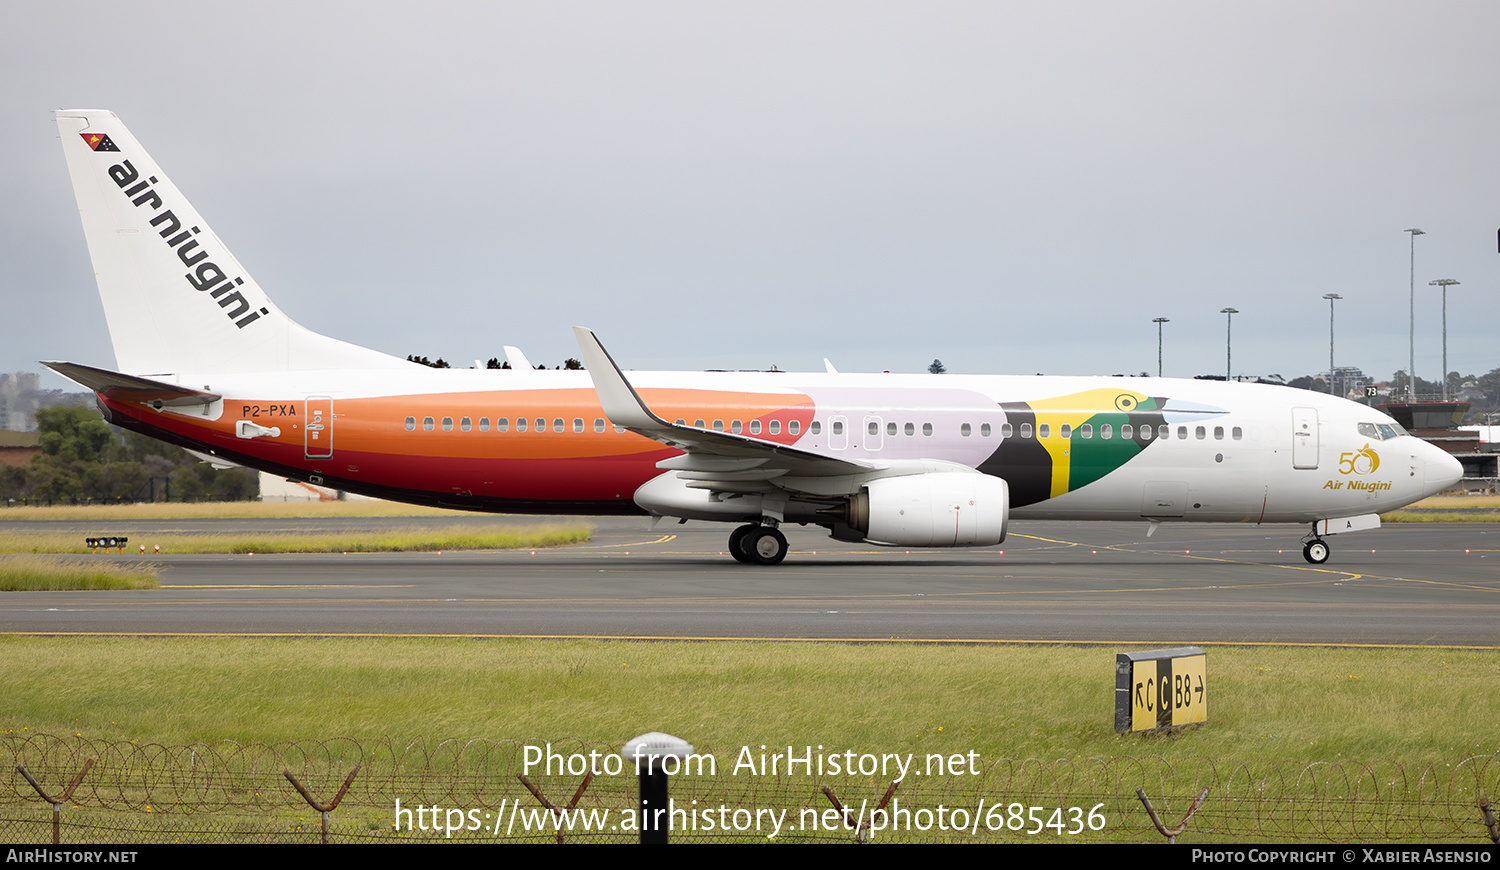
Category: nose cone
<point>1439,469</point>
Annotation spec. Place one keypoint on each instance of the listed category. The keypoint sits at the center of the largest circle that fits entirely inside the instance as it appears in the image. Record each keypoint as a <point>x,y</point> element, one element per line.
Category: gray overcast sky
<point>1011,187</point>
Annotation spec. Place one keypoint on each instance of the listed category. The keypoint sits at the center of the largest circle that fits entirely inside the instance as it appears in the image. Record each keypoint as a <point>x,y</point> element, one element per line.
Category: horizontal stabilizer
<point>131,388</point>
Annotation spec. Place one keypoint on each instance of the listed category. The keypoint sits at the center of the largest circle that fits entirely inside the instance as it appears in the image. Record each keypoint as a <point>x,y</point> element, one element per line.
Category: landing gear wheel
<point>1315,552</point>
<point>765,545</point>
<point>737,547</point>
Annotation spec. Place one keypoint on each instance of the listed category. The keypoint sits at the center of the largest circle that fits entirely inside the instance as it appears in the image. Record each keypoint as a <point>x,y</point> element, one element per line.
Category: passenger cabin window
<point>965,430</point>
<point>427,424</point>
<point>466,424</point>
<point>718,425</point>
<point>1237,433</point>
<point>502,424</point>
<point>1218,433</point>
<point>890,429</point>
<point>1086,431</point>
<point>1181,433</point>
<point>1006,431</point>
<point>447,424</point>
<point>411,424</point>
<point>577,424</point>
<point>1200,433</point>
<point>1044,430</point>
<point>599,424</point>
<point>910,429</point>
<point>520,424</point>
<point>484,424</point>
<point>926,428</point>
<point>838,427</point>
<point>775,427</point>
<point>541,425</point>
<point>1107,432</point>
<point>1025,430</point>
<point>984,430</point>
<point>735,427</point>
<point>697,424</point>
<point>754,427</point>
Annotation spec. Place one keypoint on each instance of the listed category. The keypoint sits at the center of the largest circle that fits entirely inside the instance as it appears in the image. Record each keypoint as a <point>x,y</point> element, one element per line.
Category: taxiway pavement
<point>1417,584</point>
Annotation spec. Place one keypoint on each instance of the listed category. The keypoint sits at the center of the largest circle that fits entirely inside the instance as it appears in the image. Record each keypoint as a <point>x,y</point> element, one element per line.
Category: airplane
<point>205,360</point>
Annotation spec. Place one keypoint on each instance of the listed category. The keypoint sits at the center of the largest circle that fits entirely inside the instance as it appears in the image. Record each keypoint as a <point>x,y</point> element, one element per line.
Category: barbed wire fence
<point>73,790</point>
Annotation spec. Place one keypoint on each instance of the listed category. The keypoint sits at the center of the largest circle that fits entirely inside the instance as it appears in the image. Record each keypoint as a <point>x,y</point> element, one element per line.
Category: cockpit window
<point>1381,431</point>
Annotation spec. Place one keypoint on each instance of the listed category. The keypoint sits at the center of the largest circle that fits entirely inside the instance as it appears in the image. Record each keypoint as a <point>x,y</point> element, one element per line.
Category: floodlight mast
<point>1331,297</point>
<point>1159,321</point>
<point>1411,370</point>
<point>1444,283</point>
<point>1228,347</point>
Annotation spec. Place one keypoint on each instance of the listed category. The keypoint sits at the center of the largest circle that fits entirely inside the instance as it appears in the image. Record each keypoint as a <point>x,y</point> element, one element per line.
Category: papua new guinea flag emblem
<point>99,142</point>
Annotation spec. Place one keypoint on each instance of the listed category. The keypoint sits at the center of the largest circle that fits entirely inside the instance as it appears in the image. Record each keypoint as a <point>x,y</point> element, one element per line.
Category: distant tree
<point>494,363</point>
<point>937,367</point>
<point>572,365</point>
<point>82,458</point>
<point>438,363</point>
<point>1308,382</point>
<point>76,433</point>
<point>1425,388</point>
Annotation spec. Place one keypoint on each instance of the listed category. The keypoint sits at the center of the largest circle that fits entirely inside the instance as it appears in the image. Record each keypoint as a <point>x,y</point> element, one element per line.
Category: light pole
<point>1331,297</point>
<point>1228,347</point>
<point>1159,321</point>
<point>1444,283</point>
<point>1411,371</point>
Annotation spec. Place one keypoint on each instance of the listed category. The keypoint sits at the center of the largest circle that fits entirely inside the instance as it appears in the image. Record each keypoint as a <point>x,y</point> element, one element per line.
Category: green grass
<point>220,510</point>
<point>34,574</point>
<point>1308,745</point>
<point>1003,702</point>
<point>1410,516</point>
<point>455,537</point>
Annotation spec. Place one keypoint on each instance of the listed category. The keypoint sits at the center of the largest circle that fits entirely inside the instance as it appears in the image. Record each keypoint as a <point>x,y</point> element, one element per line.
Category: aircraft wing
<point>131,388</point>
<point>715,460</point>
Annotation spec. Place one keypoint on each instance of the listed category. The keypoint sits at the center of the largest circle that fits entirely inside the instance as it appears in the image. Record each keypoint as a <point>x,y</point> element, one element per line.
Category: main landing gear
<point>757,545</point>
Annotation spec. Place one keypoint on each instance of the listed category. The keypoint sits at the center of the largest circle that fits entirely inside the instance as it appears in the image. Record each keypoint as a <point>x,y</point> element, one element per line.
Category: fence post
<point>58,801</point>
<point>557,812</point>
<point>861,835</point>
<point>327,808</point>
<point>1172,832</point>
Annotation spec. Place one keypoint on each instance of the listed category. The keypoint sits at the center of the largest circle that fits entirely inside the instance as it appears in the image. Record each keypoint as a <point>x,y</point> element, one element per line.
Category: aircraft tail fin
<point>176,299</point>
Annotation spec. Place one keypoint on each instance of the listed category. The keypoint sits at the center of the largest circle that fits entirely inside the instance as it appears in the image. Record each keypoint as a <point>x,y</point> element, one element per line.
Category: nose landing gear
<point>1315,551</point>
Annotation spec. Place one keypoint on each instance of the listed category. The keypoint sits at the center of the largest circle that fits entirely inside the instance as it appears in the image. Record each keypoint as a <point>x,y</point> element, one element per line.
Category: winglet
<point>622,405</point>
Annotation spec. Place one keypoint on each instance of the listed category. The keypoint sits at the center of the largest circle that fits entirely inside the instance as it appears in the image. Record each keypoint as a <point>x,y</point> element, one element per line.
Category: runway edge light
<point>1162,688</point>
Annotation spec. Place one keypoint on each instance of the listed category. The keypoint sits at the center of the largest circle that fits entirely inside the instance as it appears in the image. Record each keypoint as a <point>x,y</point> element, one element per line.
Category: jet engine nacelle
<point>940,509</point>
